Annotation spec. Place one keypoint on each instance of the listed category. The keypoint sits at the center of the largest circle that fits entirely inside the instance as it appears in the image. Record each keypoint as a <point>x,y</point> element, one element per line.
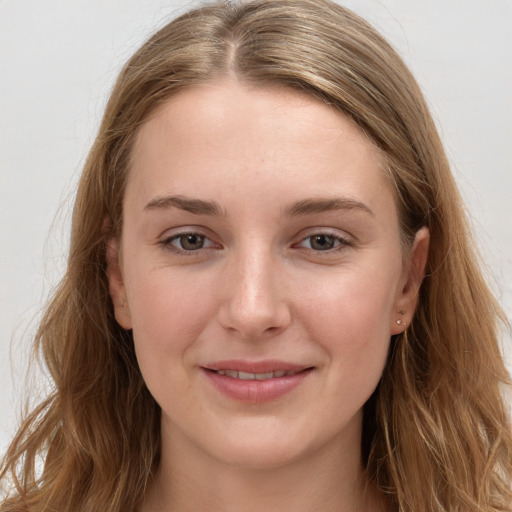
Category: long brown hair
<point>436,435</point>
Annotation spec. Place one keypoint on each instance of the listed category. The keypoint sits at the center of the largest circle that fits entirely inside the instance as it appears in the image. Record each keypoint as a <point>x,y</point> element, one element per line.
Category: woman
<point>271,299</point>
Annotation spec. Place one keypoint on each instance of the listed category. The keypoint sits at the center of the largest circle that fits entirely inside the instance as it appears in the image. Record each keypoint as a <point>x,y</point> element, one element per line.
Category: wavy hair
<point>436,435</point>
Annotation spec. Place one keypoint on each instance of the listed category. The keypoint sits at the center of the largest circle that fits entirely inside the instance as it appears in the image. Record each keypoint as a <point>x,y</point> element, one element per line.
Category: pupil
<point>322,242</point>
<point>191,242</point>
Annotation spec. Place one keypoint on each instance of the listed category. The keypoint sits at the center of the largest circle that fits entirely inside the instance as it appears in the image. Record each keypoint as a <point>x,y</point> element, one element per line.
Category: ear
<point>412,277</point>
<point>116,285</point>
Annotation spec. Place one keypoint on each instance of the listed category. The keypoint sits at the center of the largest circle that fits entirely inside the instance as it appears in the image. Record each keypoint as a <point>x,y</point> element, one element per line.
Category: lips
<point>235,374</point>
<point>267,366</point>
<point>255,382</point>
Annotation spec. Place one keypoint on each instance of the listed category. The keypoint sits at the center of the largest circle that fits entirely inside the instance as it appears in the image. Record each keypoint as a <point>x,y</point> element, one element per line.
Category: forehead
<point>224,138</point>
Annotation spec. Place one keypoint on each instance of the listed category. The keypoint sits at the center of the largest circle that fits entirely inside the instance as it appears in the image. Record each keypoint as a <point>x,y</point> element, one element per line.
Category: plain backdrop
<point>58,60</point>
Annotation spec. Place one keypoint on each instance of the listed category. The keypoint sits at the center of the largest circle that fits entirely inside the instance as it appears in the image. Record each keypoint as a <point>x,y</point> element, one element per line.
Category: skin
<point>261,286</point>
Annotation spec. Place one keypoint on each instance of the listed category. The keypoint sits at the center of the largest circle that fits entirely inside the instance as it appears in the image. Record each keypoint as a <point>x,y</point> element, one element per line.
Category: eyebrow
<point>297,209</point>
<point>310,206</point>
<point>195,206</point>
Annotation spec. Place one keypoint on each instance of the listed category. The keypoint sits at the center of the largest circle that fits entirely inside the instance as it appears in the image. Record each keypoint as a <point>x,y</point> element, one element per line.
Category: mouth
<point>235,374</point>
<point>256,382</point>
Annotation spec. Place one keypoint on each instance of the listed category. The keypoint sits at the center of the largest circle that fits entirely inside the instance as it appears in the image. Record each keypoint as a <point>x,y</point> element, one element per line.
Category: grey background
<point>58,60</point>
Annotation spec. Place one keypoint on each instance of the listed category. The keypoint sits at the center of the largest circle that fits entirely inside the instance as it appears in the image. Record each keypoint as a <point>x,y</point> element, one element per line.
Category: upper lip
<point>267,366</point>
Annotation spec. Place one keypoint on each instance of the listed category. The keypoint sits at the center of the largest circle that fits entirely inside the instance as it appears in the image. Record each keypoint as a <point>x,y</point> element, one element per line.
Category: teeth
<point>246,375</point>
<point>254,376</point>
<point>263,376</point>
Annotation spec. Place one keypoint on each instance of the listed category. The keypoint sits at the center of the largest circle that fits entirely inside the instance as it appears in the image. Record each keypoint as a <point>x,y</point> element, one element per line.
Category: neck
<point>329,480</point>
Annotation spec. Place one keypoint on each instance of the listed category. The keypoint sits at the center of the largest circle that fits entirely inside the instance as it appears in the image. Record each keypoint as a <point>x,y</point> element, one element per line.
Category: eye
<point>187,242</point>
<point>323,242</point>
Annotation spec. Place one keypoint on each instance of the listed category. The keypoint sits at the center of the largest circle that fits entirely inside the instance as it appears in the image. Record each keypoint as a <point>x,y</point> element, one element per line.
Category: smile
<point>255,383</point>
<point>234,374</point>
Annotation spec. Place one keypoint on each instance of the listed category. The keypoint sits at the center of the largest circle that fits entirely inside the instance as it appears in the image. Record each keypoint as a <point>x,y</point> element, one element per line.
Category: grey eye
<point>189,242</point>
<point>321,242</point>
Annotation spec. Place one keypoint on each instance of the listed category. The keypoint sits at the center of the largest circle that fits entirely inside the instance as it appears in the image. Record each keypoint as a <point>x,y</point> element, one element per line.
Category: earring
<point>400,321</point>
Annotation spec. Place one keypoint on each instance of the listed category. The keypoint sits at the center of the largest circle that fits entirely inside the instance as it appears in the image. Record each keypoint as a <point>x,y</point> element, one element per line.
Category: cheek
<point>349,316</point>
<point>168,313</point>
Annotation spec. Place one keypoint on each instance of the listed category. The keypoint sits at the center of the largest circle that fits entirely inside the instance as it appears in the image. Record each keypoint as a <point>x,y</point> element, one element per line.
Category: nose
<point>254,304</point>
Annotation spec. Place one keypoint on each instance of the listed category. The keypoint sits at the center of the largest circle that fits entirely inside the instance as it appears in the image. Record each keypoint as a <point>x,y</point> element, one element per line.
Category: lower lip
<point>256,391</point>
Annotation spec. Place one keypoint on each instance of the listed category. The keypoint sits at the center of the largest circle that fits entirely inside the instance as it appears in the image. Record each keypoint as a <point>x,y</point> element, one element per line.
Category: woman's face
<point>261,271</point>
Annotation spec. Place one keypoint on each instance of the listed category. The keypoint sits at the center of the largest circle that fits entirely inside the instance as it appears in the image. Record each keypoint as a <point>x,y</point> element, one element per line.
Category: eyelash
<point>339,243</point>
<point>342,242</point>
<point>167,243</point>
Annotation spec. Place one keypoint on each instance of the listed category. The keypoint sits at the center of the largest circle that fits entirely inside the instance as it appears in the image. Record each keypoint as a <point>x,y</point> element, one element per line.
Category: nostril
<point>251,321</point>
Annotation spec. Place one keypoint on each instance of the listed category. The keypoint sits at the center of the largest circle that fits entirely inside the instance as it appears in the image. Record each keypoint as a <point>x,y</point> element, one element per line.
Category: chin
<point>267,445</point>
<point>260,456</point>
